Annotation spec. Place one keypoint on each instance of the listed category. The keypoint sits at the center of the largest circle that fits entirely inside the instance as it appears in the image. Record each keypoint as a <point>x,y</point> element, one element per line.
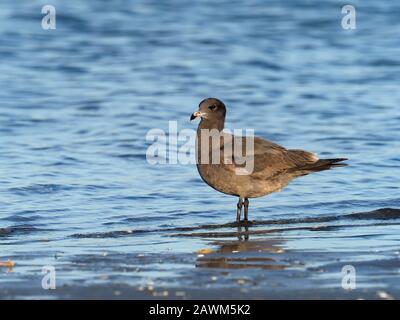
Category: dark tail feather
<point>332,161</point>
<point>325,164</point>
<point>320,165</point>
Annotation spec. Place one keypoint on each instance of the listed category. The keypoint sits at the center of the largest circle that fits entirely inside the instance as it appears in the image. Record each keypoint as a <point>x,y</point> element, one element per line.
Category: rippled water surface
<point>77,193</point>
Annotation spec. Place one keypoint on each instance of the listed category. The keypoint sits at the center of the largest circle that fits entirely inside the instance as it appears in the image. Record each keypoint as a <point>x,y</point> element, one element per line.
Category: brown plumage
<point>272,166</point>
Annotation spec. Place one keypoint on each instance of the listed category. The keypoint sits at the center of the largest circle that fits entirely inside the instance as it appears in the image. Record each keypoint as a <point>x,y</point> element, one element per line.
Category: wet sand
<point>258,261</point>
<point>251,273</point>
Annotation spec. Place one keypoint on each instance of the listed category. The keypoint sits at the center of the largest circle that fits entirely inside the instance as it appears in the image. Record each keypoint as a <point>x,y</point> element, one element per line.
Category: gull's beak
<point>195,115</point>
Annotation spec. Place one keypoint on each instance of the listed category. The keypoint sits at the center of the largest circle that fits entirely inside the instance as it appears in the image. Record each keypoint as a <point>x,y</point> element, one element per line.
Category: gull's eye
<point>212,107</point>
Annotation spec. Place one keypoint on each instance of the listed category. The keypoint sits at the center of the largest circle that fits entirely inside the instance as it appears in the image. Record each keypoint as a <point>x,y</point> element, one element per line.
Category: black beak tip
<point>192,117</point>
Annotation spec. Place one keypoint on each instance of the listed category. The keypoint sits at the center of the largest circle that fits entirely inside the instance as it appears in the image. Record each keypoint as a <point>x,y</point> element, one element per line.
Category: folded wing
<point>269,159</point>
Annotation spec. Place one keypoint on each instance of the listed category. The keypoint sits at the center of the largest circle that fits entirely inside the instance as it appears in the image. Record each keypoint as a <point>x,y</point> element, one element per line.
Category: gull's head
<point>210,109</point>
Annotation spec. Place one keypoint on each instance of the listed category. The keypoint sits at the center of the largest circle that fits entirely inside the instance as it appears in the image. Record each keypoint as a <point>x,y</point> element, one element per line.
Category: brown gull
<point>272,166</point>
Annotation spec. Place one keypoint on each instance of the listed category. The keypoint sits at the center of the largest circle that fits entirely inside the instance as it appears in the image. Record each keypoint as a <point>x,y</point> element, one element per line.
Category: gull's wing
<point>269,159</point>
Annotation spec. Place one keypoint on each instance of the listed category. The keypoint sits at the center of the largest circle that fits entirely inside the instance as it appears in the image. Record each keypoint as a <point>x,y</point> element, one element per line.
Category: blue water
<point>77,102</point>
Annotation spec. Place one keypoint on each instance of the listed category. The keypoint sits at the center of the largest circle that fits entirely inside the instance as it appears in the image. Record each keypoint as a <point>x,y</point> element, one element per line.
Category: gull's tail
<point>325,164</point>
<point>319,165</point>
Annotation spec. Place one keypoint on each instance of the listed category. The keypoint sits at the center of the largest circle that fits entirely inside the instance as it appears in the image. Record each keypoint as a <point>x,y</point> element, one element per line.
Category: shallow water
<point>76,103</point>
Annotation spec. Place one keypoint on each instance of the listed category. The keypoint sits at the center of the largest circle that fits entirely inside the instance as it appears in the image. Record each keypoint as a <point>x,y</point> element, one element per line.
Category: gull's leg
<point>239,209</point>
<point>246,209</point>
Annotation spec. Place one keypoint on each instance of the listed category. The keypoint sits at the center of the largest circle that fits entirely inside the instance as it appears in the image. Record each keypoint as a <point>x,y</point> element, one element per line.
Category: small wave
<point>382,63</point>
<point>89,107</point>
<point>130,156</point>
<point>21,229</point>
<point>112,234</point>
<point>264,65</point>
<point>239,233</point>
<point>39,189</point>
<point>379,215</point>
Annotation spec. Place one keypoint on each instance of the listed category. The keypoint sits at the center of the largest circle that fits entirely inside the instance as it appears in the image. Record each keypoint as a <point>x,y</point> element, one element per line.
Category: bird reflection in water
<point>243,235</point>
<point>242,253</point>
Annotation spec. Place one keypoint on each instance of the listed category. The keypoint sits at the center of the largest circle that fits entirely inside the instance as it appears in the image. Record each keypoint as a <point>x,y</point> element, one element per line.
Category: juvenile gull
<point>273,166</point>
